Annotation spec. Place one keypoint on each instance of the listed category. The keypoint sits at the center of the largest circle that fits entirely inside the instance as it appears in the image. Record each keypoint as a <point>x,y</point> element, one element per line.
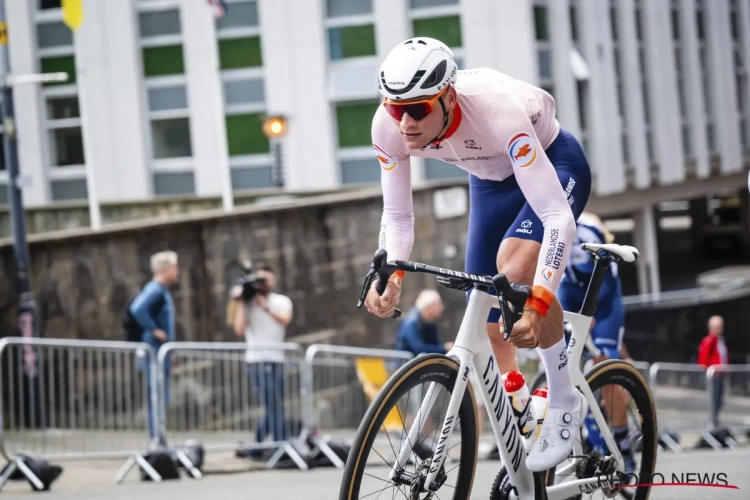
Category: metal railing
<point>340,390</point>
<point>729,389</point>
<point>686,397</point>
<point>103,399</point>
<point>75,399</point>
<point>233,396</point>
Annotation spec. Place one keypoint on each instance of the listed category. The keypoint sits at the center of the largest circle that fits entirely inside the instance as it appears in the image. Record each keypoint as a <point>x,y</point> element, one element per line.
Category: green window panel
<point>65,64</point>
<point>160,61</point>
<point>245,135</point>
<point>352,41</point>
<point>240,53</point>
<point>446,29</point>
<point>355,123</point>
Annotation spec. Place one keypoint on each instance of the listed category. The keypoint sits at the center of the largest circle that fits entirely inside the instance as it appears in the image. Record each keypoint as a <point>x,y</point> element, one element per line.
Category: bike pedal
<point>455,283</point>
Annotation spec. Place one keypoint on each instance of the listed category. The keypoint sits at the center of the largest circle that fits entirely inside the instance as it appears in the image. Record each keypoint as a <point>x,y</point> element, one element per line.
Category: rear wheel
<point>620,390</point>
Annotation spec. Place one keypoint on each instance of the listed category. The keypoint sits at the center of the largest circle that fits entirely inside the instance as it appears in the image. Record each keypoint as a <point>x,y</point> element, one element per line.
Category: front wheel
<point>385,429</point>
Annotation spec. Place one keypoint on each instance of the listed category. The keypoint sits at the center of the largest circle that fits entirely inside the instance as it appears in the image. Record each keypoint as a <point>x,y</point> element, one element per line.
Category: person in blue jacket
<point>608,325</point>
<point>154,311</point>
<point>418,332</point>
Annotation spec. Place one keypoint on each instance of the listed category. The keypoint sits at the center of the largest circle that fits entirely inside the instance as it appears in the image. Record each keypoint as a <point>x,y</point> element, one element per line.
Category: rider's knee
<point>518,262</point>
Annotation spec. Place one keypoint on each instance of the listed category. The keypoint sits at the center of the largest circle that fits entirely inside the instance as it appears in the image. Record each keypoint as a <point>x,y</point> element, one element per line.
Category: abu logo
<point>386,162</point>
<point>548,274</point>
<point>525,227</point>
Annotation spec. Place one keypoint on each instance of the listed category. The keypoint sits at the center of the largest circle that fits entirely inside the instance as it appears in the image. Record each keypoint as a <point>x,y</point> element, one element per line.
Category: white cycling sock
<point>561,393</point>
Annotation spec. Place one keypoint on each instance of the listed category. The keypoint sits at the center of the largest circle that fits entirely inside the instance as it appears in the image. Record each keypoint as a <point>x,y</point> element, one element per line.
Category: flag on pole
<point>72,13</point>
<point>220,7</point>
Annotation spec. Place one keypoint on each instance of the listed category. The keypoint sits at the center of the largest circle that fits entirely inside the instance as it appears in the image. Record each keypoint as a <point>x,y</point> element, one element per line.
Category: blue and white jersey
<point>581,264</point>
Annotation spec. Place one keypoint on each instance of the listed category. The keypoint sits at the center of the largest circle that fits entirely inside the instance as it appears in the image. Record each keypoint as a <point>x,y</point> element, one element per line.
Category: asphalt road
<point>87,481</point>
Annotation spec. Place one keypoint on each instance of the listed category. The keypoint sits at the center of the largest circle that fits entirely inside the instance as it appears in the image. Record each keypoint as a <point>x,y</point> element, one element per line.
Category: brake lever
<point>381,270</point>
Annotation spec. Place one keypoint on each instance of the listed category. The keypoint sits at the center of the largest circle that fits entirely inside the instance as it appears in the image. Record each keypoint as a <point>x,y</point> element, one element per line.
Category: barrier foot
<point>328,452</point>
<point>17,463</point>
<point>189,466</point>
<point>670,443</point>
<point>712,441</point>
<point>128,465</point>
<point>292,454</point>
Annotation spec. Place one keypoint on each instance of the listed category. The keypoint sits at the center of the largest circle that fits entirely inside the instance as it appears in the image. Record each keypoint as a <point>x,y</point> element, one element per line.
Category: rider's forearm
<point>397,235</point>
<point>559,232</point>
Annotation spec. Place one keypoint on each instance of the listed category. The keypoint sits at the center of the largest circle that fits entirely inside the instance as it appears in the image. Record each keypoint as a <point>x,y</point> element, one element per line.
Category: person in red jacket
<point>713,351</point>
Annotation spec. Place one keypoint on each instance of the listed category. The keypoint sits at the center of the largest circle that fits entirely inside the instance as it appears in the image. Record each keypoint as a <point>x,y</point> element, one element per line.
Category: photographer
<point>263,317</point>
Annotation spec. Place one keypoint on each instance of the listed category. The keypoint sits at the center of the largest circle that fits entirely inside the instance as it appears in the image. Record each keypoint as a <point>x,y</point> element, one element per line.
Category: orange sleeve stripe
<point>400,274</point>
<point>540,300</point>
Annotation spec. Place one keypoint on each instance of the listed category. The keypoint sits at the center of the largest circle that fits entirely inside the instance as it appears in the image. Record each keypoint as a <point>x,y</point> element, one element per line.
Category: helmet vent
<point>436,76</point>
<point>422,42</point>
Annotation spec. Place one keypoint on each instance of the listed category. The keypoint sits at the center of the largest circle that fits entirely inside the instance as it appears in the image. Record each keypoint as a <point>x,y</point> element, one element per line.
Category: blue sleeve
<point>410,334</point>
<point>142,305</point>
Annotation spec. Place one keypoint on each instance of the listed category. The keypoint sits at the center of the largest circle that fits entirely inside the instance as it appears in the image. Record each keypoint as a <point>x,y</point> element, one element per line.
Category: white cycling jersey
<point>501,127</point>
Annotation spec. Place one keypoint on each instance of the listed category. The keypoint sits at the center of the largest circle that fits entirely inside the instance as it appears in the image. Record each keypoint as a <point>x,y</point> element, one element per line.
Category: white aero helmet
<point>418,67</point>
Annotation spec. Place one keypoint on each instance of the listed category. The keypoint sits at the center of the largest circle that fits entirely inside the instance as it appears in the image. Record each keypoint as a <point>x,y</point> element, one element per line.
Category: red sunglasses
<point>416,109</point>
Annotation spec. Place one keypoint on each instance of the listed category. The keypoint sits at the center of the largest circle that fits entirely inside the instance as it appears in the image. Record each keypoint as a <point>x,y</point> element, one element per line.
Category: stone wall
<point>321,248</point>
<point>59,216</point>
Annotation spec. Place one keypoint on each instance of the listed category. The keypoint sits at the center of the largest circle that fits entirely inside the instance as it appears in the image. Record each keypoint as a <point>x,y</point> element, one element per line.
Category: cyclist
<point>607,329</point>
<point>529,181</point>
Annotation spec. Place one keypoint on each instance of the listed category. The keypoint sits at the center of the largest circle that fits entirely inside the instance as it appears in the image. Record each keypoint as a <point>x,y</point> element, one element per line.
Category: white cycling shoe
<point>557,436</point>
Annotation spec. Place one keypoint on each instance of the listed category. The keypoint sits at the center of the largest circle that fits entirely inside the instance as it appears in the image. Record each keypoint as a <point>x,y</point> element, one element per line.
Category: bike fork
<point>413,435</point>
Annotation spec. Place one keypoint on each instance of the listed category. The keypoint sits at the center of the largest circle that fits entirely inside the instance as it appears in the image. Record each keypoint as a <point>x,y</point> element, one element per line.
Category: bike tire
<point>427,368</point>
<point>618,372</point>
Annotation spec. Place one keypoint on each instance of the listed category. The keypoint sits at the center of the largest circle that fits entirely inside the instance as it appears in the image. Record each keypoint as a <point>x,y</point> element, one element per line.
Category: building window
<point>63,64</point>
<point>53,34</point>
<point>171,138</point>
<point>243,14</point>
<point>351,41</point>
<point>62,115</point>
<point>341,8</point>
<point>245,135</point>
<point>69,189</point>
<point>241,62</point>
<point>540,22</point>
<point>447,29</point>
<point>351,29</point>
<point>49,4</point>
<point>240,53</point>
<point>355,123</point>
<point>174,183</point>
<point>166,96</point>
<point>421,4</point>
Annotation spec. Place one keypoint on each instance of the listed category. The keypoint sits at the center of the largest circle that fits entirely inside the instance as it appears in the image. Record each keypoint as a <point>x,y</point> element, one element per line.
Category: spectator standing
<point>264,320</point>
<point>713,351</point>
<point>153,310</point>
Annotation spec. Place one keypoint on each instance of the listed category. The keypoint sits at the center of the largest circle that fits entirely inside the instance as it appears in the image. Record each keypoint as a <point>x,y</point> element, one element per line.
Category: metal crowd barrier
<point>729,390</point>
<point>75,399</point>
<point>233,396</point>
<point>684,394</point>
<point>341,382</point>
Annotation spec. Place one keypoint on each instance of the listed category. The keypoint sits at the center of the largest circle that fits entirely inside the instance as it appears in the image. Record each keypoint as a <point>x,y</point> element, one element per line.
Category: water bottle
<point>520,399</point>
<point>539,406</point>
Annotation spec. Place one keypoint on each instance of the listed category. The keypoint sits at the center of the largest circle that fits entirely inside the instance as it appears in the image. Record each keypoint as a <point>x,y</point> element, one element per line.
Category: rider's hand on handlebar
<point>526,330</point>
<point>384,305</point>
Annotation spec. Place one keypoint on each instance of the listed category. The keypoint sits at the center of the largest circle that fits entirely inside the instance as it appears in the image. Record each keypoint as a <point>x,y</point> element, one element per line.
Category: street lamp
<point>275,128</point>
<point>27,310</point>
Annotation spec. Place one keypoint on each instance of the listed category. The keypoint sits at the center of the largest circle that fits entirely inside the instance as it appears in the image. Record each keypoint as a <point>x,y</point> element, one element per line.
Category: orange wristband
<point>399,274</point>
<point>540,300</point>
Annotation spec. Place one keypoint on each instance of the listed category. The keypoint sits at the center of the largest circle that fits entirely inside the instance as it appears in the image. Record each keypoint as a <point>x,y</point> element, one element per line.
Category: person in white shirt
<point>264,320</point>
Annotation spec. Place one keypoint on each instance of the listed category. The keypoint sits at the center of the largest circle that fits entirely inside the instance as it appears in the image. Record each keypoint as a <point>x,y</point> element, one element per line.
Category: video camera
<point>251,283</point>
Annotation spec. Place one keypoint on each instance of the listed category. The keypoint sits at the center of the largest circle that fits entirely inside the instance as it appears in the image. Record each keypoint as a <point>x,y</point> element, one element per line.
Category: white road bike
<point>416,469</point>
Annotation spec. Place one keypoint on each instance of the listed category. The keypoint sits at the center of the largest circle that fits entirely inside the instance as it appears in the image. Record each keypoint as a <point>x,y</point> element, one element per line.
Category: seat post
<point>595,284</point>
